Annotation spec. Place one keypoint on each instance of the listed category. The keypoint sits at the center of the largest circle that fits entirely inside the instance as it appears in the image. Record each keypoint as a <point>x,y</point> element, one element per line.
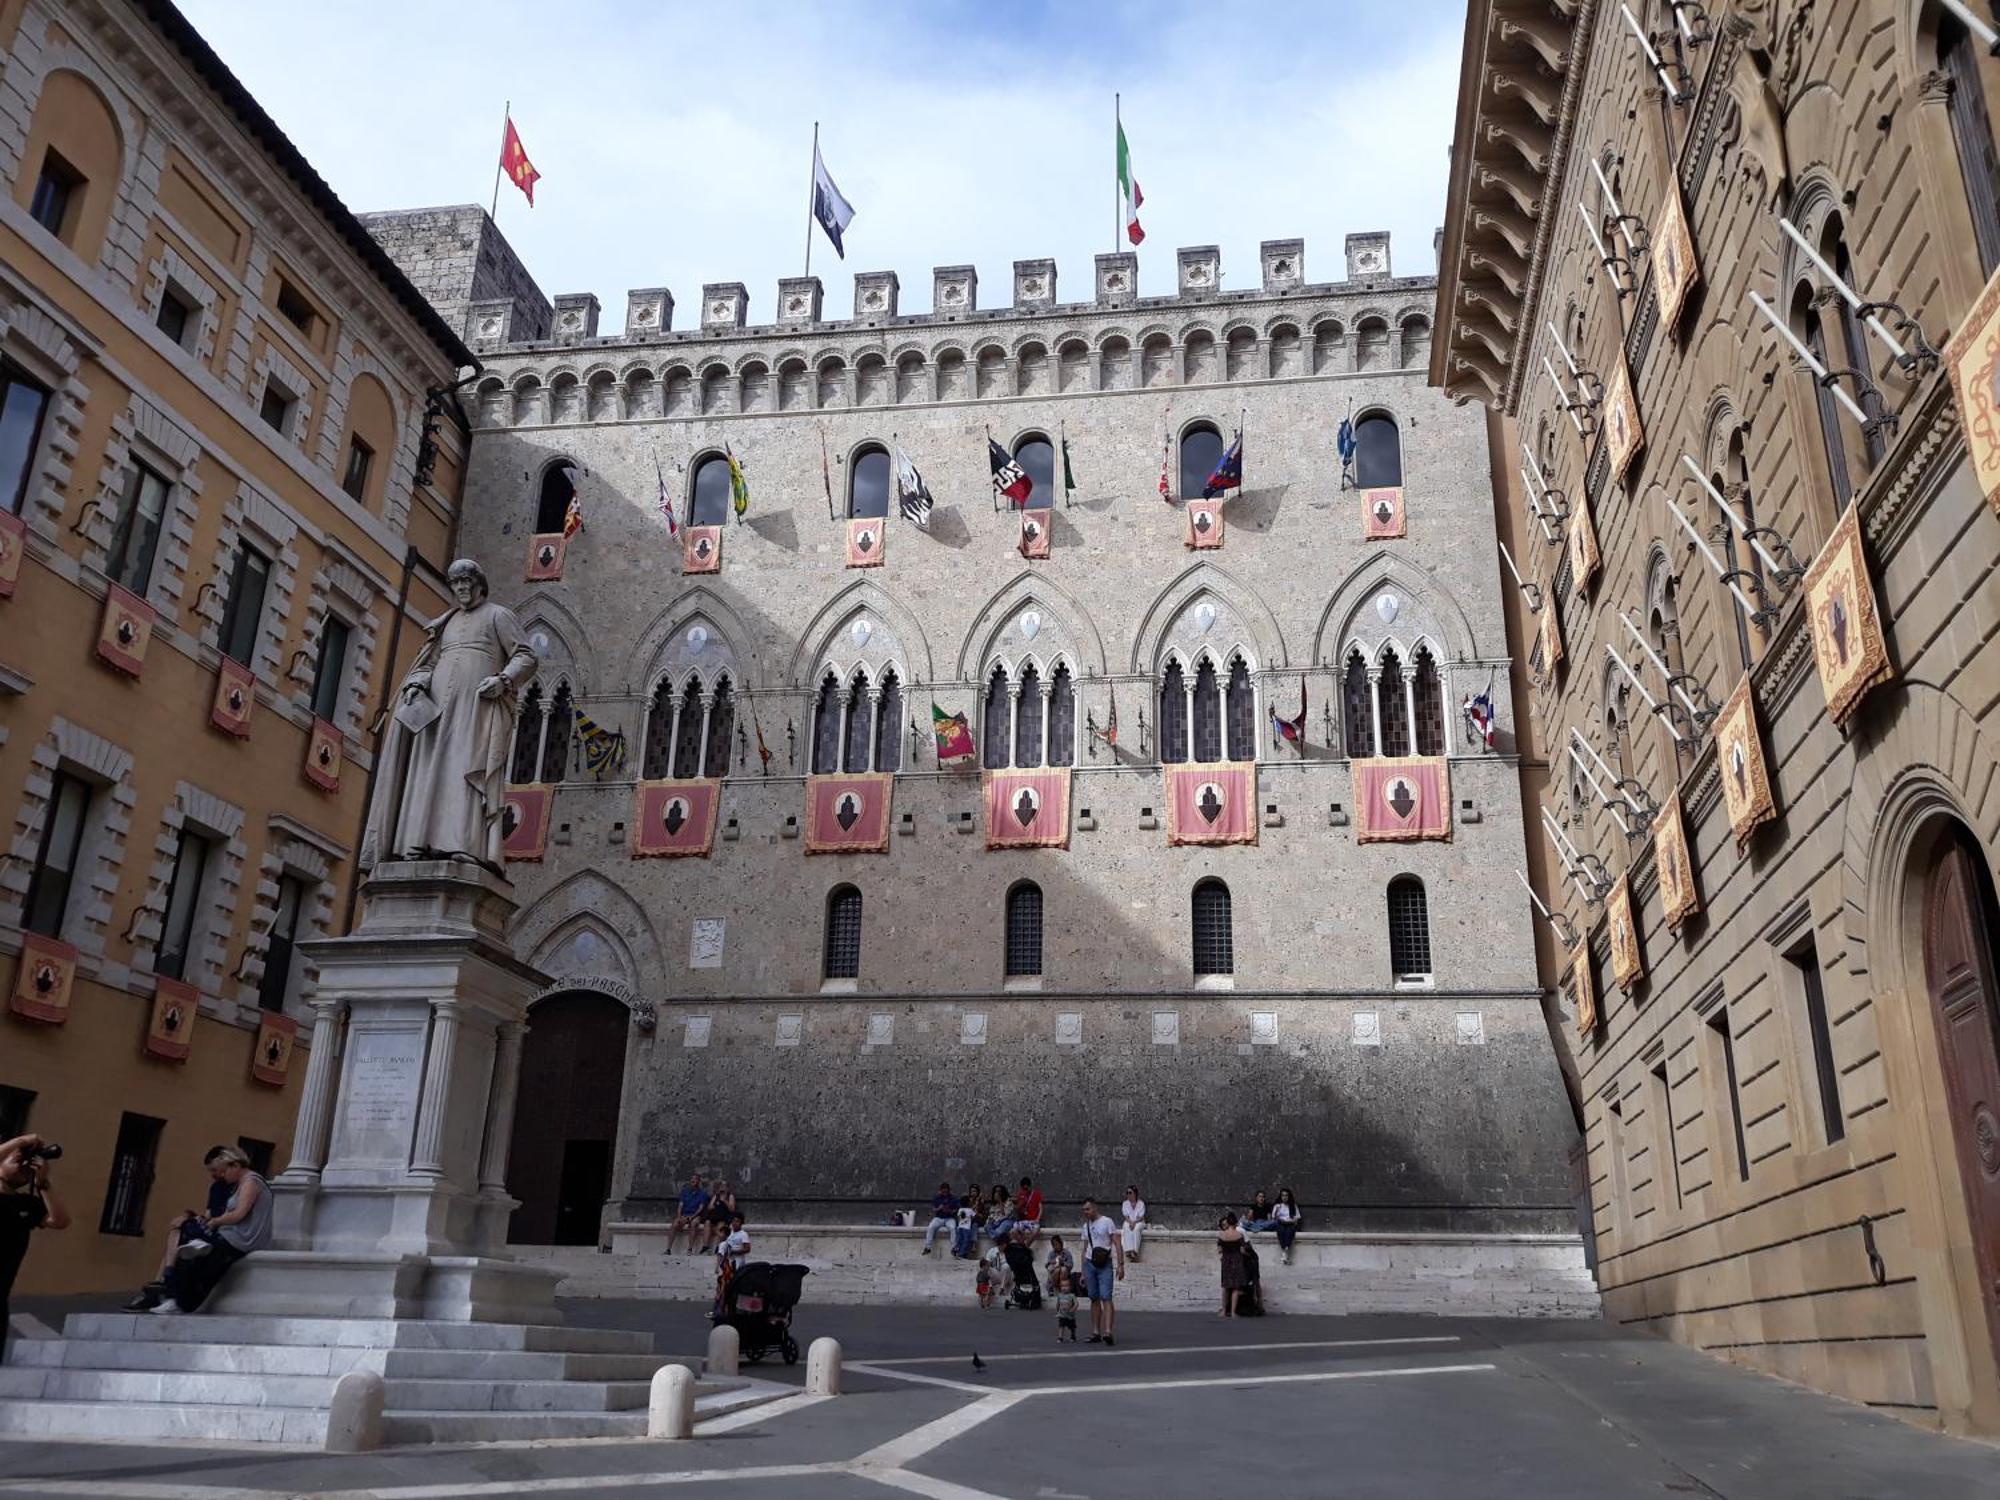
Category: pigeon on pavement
<point>977,1362</point>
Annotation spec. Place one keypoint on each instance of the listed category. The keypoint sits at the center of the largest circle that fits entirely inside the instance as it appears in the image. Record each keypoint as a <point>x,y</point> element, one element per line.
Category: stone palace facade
<point>835,1032</point>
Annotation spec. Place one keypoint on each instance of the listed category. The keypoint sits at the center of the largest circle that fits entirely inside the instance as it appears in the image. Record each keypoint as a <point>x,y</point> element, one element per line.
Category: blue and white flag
<point>834,212</point>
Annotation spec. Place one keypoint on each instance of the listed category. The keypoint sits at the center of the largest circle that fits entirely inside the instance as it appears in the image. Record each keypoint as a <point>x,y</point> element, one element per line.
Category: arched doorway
<point>1961,944</point>
<point>566,1121</point>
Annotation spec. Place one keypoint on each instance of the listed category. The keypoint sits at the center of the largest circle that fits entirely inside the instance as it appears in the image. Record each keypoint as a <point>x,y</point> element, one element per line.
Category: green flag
<point>1069,479</point>
<point>739,487</point>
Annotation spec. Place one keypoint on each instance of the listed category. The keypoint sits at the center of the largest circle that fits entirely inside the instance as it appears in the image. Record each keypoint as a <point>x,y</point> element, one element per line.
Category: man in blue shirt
<point>944,1213</point>
<point>693,1208</point>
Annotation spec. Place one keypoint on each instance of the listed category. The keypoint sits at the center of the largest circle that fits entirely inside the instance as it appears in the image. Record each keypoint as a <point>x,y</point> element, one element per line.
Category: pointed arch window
<point>1214,929</point>
<point>1206,712</point>
<point>721,725</point>
<point>687,732</point>
<point>1357,709</point>
<point>1201,451</point>
<point>1062,718</point>
<point>708,492</point>
<point>1378,452</point>
<point>1028,719</point>
<point>868,483</point>
<point>657,760</point>
<point>1395,706</point>
<point>552,503</point>
<point>528,738</point>
<point>999,727</point>
<point>1024,930</point>
<point>859,721</point>
<point>1428,694</point>
<point>888,724</point>
<point>826,728</point>
<point>556,735</point>
<point>1173,715</point>
<point>1409,931</point>
<point>1615,723</point>
<point>1239,709</point>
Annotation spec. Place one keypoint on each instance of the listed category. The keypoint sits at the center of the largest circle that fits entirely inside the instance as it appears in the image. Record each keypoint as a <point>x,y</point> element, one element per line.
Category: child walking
<point>983,1285</point>
<point>1065,1300</point>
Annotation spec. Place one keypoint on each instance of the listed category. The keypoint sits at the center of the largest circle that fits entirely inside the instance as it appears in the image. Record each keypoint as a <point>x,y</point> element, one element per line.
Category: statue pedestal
<point>395,1202</point>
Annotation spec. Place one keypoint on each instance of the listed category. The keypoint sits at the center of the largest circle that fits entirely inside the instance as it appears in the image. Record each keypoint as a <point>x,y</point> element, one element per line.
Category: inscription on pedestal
<point>379,1102</point>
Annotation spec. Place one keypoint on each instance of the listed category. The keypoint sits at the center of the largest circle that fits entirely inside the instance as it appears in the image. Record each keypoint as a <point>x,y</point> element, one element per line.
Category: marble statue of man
<point>441,788</point>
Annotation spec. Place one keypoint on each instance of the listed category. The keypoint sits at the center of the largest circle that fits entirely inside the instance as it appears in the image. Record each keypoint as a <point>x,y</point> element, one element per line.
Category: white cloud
<point>675,141</point>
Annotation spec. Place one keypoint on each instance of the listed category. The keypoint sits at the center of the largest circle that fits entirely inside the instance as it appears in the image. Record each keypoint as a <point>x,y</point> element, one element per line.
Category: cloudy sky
<point>675,140</point>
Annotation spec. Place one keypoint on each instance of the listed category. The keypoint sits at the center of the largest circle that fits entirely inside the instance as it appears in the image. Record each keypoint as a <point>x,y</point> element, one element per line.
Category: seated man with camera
<point>27,1203</point>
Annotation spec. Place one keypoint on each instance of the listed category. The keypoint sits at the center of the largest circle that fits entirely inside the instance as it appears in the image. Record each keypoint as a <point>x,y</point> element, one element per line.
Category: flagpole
<point>1117,203</point>
<point>812,187</point>
<point>506,116</point>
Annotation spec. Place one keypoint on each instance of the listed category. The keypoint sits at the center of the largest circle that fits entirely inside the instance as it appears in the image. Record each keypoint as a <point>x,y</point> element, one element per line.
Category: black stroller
<point>758,1305</point>
<point>1027,1292</point>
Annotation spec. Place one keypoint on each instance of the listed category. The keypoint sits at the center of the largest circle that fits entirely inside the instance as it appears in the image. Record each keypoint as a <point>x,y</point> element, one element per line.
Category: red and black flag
<point>1009,478</point>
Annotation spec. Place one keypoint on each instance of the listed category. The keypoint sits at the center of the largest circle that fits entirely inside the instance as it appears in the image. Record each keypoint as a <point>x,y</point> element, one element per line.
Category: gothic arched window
<point>868,483</point>
<point>1201,451</point>
<point>1207,714</point>
<point>721,725</point>
<point>1062,718</point>
<point>1028,719</point>
<point>1357,711</point>
<point>889,724</point>
<point>1409,931</point>
<point>1239,709</point>
<point>555,735</point>
<point>826,728</point>
<point>708,492</point>
<point>527,738</point>
<point>1214,929</point>
<point>1173,715</point>
<point>1427,694</point>
<point>1037,455</point>
<point>656,760</point>
<point>552,504</point>
<point>1378,452</point>
<point>999,727</point>
<point>687,732</point>
<point>1395,707</point>
<point>1024,930</point>
<point>859,722</point>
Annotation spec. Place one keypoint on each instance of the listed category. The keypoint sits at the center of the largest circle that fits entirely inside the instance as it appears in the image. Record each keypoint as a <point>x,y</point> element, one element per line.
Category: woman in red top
<point>1028,1209</point>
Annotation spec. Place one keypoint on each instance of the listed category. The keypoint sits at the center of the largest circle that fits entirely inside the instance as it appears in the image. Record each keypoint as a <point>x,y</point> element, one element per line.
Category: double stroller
<point>758,1305</point>
<point>1026,1293</point>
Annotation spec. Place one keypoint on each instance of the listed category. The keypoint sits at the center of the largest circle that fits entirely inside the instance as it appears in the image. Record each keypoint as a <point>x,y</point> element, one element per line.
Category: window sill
<point>840,986</point>
<point>1215,982</point>
<point>1416,982</point>
<point>1021,984</point>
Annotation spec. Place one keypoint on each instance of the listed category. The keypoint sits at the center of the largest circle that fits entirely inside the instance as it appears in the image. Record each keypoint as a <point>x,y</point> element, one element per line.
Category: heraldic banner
<point>848,814</point>
<point>125,630</point>
<point>1746,783</point>
<point>1212,804</point>
<point>1382,515</point>
<point>1847,639</point>
<point>1027,809</point>
<point>701,549</point>
<point>1624,433</point>
<point>235,696</point>
<point>1583,989</point>
<point>1035,532</point>
<point>271,1059</point>
<point>13,546</point>
<point>324,749</point>
<point>545,556</point>
<point>170,1032</point>
<point>1680,896</point>
<point>44,980</point>
<point>1204,525</point>
<point>1973,359</point>
<point>1402,800</point>
<point>1628,961</point>
<point>524,822</point>
<point>1584,554</point>
<point>675,817</point>
<point>1674,269</point>
<point>864,541</point>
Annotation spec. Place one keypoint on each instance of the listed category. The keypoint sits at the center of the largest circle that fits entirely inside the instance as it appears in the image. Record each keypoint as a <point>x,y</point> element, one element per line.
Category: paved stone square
<point>1185,1405</point>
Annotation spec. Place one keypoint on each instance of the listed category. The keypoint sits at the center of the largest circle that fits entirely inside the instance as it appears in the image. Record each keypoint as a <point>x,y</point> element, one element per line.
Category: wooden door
<point>1959,968</point>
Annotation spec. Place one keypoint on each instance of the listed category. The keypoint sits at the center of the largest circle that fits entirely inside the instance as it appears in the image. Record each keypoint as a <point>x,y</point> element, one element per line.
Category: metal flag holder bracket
<point>1680,86</point>
<point>1917,362</point>
<point>1565,930</point>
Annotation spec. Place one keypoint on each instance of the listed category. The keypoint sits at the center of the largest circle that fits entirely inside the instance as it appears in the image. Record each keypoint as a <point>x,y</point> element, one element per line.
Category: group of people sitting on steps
<point>981,1216</point>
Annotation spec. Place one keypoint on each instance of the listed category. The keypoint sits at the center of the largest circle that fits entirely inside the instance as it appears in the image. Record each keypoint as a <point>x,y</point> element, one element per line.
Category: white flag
<point>913,496</point>
<point>834,212</point>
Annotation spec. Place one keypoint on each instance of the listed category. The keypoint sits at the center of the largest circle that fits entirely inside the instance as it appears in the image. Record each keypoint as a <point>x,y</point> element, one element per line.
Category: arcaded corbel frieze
<point>1532,22</point>
<point>1526,191</point>
<point>1529,140</point>
<point>1503,310</point>
<point>1514,228</point>
<point>1524,81</point>
<point>1505,269</point>
<point>1471,362</point>
<point>1489,333</point>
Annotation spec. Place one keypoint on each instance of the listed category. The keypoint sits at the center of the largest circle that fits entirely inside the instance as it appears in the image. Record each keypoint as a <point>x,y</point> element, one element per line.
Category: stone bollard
<point>670,1413</point>
<point>354,1415</point>
<point>823,1368</point>
<point>725,1347</point>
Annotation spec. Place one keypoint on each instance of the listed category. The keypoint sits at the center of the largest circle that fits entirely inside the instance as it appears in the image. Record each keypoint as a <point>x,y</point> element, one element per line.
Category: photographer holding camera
<point>27,1203</point>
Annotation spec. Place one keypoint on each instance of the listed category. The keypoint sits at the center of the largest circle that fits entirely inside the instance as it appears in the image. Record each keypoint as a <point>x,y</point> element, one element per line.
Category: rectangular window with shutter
<point>183,926</point>
<point>248,583</point>
<point>133,1160</point>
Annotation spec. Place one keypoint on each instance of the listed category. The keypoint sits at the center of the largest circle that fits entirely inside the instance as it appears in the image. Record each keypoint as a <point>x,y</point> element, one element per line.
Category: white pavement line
<point>568,1483</point>
<point>871,1368</point>
<point>751,1416</point>
<point>97,1489</point>
<point>918,1441</point>
<point>1094,1388</point>
<point>922,1484</point>
<point>1114,1352</point>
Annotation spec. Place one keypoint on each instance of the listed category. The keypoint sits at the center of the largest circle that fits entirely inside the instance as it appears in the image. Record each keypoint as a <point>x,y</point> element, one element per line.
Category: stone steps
<point>324,1360</point>
<point>401,1428</point>
<point>113,1421</point>
<point>376,1333</point>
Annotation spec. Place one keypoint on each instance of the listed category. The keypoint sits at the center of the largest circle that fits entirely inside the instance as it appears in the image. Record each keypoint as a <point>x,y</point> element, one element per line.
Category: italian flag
<point>1128,190</point>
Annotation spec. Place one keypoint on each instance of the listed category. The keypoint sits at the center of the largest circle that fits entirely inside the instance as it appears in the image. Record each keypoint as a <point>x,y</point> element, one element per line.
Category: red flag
<point>514,162</point>
<point>1009,478</point>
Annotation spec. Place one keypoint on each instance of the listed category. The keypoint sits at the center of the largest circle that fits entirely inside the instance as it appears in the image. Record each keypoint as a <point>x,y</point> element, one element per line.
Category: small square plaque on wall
<point>1471,1028</point>
<point>698,1028</point>
<point>1166,1028</point>
<point>1264,1028</point>
<point>1069,1028</point>
<point>881,1029</point>
<point>705,943</point>
<point>791,1030</point>
<point>1367,1028</point>
<point>972,1028</point>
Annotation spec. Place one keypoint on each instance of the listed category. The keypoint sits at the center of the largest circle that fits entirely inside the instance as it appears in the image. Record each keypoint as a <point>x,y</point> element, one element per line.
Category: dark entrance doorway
<point>566,1123</point>
<point>1962,973</point>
